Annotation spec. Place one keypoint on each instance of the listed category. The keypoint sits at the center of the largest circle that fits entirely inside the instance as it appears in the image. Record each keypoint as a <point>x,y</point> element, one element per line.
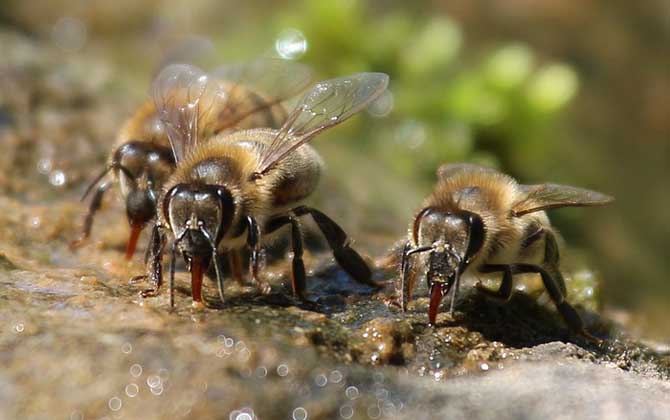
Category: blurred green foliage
<point>448,106</point>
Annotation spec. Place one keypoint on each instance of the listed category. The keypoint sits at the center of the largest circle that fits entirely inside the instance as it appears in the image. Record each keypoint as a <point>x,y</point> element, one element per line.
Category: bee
<point>478,220</point>
<point>240,188</point>
<point>142,159</point>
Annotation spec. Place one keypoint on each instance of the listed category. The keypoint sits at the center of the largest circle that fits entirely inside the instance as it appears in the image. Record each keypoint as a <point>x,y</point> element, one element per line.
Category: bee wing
<point>329,103</point>
<point>450,169</point>
<point>548,196</point>
<point>184,95</point>
<point>259,85</point>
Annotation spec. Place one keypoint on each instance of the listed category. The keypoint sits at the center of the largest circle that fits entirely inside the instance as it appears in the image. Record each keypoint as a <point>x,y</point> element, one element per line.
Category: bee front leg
<point>350,260</point>
<point>254,244</point>
<point>504,292</point>
<point>93,207</point>
<point>155,261</point>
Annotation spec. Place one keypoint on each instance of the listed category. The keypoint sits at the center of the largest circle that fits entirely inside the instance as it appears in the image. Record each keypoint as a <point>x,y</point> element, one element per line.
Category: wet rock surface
<point>78,342</point>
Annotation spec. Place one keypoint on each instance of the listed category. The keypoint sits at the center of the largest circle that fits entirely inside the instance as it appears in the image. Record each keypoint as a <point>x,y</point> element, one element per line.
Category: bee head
<point>199,216</point>
<point>453,239</point>
<point>142,168</point>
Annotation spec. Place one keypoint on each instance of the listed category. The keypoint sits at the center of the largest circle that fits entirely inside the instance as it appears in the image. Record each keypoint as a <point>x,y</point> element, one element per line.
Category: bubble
<point>239,346</point>
<point>76,415</point>
<point>321,380</point>
<point>291,44</point>
<point>245,354</point>
<point>228,342</point>
<point>381,394</point>
<point>261,372</point>
<point>378,377</point>
<point>351,392</point>
<point>57,178</point>
<point>374,412</point>
<point>223,352</point>
<point>299,413</point>
<point>243,416</point>
<point>69,34</point>
<point>383,105</point>
<point>44,166</point>
<point>126,348</point>
<point>411,133</point>
<point>388,409</point>
<point>157,390</point>
<point>132,390</point>
<point>163,374</point>
<point>221,339</point>
<point>346,411</point>
<point>115,403</point>
<point>154,381</point>
<point>336,377</point>
<point>19,328</point>
<point>282,370</point>
<point>136,370</point>
<point>484,367</point>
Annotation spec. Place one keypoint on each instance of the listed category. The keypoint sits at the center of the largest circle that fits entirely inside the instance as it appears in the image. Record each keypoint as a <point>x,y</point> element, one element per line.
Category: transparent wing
<point>258,85</point>
<point>547,196</point>
<point>184,95</point>
<point>329,103</point>
<point>450,169</point>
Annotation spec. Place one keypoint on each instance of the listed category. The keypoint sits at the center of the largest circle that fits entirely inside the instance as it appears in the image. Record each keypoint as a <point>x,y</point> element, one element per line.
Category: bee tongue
<point>135,231</point>
<point>436,295</point>
<point>196,278</point>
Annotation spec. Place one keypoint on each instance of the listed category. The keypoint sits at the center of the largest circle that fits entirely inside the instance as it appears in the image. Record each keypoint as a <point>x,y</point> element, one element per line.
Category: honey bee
<point>478,220</point>
<point>239,188</point>
<point>142,159</point>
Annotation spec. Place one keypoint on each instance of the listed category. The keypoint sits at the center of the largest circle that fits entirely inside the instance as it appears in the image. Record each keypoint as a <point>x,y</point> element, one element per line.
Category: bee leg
<point>235,263</point>
<point>551,258</point>
<point>567,311</point>
<point>408,274</point>
<point>298,277</point>
<point>504,293</point>
<point>254,244</point>
<point>95,205</point>
<point>155,262</point>
<point>298,280</point>
<point>350,260</point>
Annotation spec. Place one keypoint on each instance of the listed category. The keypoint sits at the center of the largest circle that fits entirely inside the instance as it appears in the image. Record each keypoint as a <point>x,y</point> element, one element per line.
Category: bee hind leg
<point>553,287</point>
<point>504,292</point>
<point>350,260</point>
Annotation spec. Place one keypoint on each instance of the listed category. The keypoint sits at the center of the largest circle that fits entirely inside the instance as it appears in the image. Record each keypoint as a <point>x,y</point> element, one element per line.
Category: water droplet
<point>136,370</point>
<point>299,413</point>
<point>291,44</point>
<point>69,34</point>
<point>76,415</point>
<point>44,166</point>
<point>36,222</point>
<point>154,381</point>
<point>282,370</point>
<point>57,178</point>
<point>484,366</point>
<point>335,376</point>
<point>19,328</point>
<point>346,411</point>
<point>383,105</point>
<point>374,412</point>
<point>126,348</point>
<point>351,392</point>
<point>321,380</point>
<point>132,390</point>
<point>115,403</point>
